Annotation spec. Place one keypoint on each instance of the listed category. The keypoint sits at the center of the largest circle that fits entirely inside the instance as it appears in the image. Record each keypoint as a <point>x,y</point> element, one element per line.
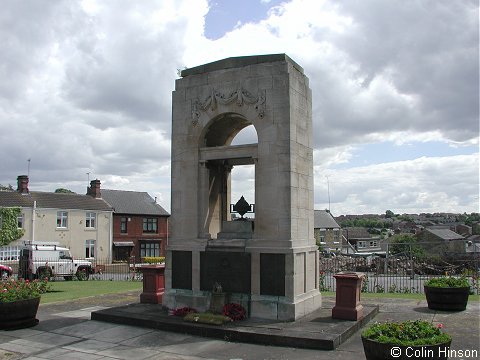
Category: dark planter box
<point>447,298</point>
<point>380,351</point>
<point>18,314</point>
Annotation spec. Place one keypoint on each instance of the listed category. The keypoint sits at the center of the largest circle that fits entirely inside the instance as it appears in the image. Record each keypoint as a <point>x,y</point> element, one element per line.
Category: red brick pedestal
<point>153,284</point>
<point>347,303</point>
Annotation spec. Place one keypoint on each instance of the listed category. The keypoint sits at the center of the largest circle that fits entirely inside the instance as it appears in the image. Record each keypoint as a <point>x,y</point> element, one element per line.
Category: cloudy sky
<point>85,92</point>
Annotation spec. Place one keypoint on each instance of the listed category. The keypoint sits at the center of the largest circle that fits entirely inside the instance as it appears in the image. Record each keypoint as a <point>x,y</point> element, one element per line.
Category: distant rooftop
<point>322,219</point>
<point>132,202</point>
<point>239,61</point>
<point>47,200</point>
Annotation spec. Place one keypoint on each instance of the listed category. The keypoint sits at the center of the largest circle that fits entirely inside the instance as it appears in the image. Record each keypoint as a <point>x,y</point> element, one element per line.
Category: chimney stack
<point>94,189</point>
<point>22,184</point>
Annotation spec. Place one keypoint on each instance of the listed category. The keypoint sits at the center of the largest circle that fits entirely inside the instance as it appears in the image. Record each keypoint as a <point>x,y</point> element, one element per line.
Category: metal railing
<point>402,272</point>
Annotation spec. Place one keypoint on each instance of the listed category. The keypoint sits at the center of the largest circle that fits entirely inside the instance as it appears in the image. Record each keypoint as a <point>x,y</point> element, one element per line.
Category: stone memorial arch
<point>269,266</point>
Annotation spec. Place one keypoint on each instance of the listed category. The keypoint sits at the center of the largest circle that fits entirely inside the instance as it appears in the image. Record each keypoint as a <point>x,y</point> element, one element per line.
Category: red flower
<point>183,311</point>
<point>234,311</point>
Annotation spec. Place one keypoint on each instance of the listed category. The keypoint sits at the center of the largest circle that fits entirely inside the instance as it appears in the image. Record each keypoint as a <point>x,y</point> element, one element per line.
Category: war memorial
<point>268,265</point>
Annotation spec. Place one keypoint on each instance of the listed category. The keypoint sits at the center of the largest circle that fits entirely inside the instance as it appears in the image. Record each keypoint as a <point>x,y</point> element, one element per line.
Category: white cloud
<point>86,87</point>
<point>426,184</point>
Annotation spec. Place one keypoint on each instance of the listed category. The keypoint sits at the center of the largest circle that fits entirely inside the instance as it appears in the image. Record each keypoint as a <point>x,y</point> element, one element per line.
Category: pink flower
<point>440,326</point>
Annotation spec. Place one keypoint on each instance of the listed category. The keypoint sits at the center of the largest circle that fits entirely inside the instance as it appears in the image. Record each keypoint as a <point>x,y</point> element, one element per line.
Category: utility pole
<point>328,189</point>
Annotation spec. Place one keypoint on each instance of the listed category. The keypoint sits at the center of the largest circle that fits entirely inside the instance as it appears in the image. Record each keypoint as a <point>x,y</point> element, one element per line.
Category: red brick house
<point>140,224</point>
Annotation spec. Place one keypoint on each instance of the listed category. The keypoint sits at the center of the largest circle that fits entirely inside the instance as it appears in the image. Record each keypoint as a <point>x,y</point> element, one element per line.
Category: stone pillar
<point>153,284</point>
<point>203,207</point>
<point>347,302</point>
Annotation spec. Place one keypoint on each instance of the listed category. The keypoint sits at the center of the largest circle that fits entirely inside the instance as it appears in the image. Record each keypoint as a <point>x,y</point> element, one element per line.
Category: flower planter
<point>380,351</point>
<point>18,314</point>
<point>447,298</point>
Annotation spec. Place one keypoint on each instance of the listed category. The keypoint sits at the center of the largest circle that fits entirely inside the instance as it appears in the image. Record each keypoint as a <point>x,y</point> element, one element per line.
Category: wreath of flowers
<point>183,311</point>
<point>234,311</point>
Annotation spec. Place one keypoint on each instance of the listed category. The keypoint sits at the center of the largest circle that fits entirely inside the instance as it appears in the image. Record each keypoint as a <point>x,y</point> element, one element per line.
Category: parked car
<point>49,259</point>
<point>5,271</point>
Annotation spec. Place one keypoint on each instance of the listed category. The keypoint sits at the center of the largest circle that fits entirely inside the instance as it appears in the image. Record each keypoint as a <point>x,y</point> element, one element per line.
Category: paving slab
<point>98,339</point>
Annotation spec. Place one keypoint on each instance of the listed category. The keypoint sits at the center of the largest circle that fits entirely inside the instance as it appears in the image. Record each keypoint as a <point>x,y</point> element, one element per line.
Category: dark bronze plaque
<point>182,270</point>
<point>272,274</point>
<point>231,270</point>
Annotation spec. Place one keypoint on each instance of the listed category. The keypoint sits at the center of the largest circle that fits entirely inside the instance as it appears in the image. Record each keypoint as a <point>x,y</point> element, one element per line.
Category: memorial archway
<point>270,269</point>
<point>217,157</point>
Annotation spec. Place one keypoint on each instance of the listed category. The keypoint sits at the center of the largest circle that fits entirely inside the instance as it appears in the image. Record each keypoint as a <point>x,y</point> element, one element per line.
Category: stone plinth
<point>347,304</point>
<point>153,284</point>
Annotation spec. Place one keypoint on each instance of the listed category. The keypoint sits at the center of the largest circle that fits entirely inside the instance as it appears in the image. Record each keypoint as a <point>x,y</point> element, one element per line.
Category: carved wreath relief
<point>239,95</point>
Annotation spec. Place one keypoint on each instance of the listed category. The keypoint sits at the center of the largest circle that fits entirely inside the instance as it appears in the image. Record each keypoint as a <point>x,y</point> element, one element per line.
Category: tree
<point>64,191</point>
<point>389,214</point>
<point>9,230</point>
<point>404,244</point>
<point>6,188</point>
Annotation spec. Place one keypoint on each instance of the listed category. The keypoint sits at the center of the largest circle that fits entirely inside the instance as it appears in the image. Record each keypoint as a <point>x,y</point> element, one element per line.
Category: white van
<point>48,259</point>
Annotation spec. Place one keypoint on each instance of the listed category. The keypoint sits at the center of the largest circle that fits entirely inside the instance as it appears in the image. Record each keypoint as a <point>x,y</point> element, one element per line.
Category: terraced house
<point>140,225</point>
<point>79,222</point>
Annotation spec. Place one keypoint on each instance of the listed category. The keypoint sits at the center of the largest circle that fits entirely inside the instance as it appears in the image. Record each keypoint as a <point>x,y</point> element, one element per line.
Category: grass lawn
<point>71,290</point>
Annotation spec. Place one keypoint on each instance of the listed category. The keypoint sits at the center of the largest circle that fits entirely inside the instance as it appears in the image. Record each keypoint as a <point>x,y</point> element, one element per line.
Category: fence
<point>390,272</point>
<point>405,271</point>
<point>102,269</point>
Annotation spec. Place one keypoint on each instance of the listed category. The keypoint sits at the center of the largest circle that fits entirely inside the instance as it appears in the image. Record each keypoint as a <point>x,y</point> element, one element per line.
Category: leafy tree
<point>406,243</point>
<point>64,191</point>
<point>6,188</point>
<point>389,214</point>
<point>9,230</point>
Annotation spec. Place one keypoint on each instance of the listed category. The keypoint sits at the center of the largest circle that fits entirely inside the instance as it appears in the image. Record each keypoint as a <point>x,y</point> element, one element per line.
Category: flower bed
<point>14,290</point>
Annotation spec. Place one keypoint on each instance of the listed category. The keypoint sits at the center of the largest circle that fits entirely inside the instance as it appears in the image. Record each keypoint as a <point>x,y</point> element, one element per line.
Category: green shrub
<point>448,281</point>
<point>154,259</point>
<point>407,333</point>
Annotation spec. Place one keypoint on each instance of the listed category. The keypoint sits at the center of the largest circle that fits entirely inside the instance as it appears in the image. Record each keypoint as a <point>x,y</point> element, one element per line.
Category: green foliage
<point>406,243</point>
<point>14,290</point>
<point>469,219</point>
<point>448,282</point>
<point>9,230</point>
<point>370,223</point>
<point>154,259</point>
<point>407,333</point>
<point>389,214</point>
<point>64,191</point>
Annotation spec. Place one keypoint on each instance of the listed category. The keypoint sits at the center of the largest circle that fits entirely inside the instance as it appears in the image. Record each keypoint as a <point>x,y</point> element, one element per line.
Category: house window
<point>62,219</point>
<point>373,243</point>
<point>361,244</point>
<point>322,235</point>
<point>150,225</point>
<point>336,235</point>
<point>148,249</point>
<point>90,218</point>
<point>20,221</point>
<point>90,248</point>
<point>123,225</point>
